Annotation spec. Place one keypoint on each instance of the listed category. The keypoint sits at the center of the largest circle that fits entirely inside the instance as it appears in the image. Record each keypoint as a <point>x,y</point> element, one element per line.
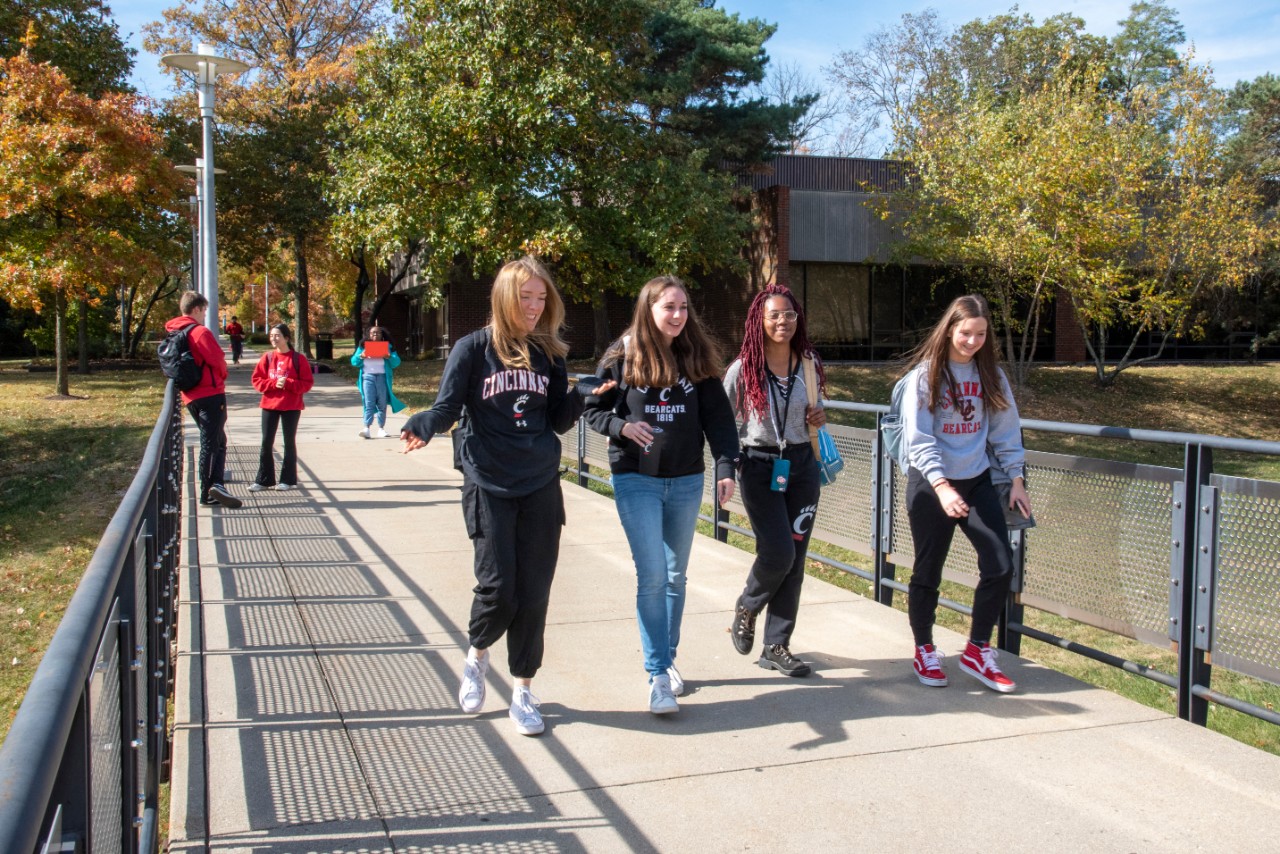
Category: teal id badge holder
<point>781,475</point>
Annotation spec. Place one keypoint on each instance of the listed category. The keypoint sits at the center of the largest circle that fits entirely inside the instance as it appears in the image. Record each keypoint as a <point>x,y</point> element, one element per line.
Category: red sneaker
<point>979,661</point>
<point>928,666</point>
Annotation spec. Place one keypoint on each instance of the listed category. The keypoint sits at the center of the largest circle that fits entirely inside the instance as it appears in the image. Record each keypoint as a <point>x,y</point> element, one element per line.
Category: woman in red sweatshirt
<point>283,377</point>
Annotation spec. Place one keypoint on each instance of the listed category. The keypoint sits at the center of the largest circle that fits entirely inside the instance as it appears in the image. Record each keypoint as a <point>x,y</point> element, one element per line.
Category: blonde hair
<point>648,359</point>
<point>510,338</point>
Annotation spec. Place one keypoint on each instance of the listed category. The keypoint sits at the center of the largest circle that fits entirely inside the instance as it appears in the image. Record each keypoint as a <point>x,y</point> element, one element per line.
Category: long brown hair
<point>753,395</point>
<point>510,339</point>
<point>649,361</point>
<point>935,350</point>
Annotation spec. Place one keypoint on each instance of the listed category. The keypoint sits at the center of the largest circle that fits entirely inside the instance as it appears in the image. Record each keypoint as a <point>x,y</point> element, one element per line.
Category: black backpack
<point>177,362</point>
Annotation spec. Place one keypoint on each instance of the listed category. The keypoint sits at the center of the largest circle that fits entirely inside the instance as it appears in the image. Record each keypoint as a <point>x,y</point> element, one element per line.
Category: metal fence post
<point>582,451</point>
<point>1191,541</point>
<point>1013,611</point>
<point>882,517</point>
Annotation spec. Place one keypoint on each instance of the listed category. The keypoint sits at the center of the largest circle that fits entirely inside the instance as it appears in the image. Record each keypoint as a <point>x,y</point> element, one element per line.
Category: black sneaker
<point>210,502</point>
<point>219,493</point>
<point>778,657</point>
<point>743,629</point>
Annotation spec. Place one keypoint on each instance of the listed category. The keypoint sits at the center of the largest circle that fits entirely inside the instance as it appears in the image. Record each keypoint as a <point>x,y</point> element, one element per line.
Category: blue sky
<point>1239,38</point>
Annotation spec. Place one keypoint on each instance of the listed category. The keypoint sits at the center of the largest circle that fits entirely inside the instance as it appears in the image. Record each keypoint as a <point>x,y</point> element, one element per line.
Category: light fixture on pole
<point>207,66</point>
<point>197,222</point>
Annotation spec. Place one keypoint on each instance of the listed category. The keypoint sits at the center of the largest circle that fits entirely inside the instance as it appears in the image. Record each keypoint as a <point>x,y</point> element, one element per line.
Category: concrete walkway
<point>321,640</point>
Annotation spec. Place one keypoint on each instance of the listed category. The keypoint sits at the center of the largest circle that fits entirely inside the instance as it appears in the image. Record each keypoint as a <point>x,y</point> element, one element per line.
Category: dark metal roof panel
<point>839,174</point>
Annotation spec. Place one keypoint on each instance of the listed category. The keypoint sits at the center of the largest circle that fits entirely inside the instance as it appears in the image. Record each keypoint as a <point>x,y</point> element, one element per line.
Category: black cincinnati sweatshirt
<point>508,444</point>
<point>686,412</point>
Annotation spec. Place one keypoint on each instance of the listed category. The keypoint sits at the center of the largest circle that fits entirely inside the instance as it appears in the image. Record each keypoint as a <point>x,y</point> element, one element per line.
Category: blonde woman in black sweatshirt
<point>511,379</point>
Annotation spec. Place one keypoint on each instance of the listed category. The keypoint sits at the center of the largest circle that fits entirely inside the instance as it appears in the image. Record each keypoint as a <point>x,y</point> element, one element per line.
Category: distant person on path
<point>283,376</point>
<point>511,381</point>
<point>668,402</point>
<point>374,383</point>
<point>236,333</point>
<point>779,473</point>
<point>207,402</point>
<point>958,402</point>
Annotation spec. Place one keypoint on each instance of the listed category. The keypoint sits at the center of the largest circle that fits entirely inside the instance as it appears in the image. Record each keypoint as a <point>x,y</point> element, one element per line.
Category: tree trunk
<point>60,344</point>
<point>139,329</point>
<point>600,324</point>
<point>126,319</point>
<point>302,296</point>
<point>82,336</point>
<point>362,286</point>
<point>410,252</point>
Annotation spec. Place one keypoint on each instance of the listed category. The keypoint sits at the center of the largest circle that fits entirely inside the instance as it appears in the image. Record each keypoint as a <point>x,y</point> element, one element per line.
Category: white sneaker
<point>661,700</point>
<point>381,434</point>
<point>284,487</point>
<point>471,694</point>
<point>257,487</point>
<point>524,711</point>
<point>677,681</point>
<point>364,433</point>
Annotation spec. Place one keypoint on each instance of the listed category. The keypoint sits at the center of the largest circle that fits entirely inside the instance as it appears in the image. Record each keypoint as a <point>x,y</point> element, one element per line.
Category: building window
<point>836,299</point>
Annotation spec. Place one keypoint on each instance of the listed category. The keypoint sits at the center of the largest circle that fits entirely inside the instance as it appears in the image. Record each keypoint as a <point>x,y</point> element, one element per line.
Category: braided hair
<point>753,394</point>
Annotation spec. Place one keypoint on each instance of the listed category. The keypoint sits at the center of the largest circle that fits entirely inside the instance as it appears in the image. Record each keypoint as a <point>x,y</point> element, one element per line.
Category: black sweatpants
<point>210,414</point>
<point>517,544</point>
<point>266,457</point>
<point>783,524</point>
<point>931,532</point>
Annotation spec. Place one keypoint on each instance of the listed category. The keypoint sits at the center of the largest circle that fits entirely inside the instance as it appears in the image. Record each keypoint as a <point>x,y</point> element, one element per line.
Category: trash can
<point>324,345</point>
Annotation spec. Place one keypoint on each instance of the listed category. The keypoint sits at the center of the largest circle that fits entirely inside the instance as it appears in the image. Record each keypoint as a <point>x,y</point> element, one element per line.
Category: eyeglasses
<point>775,316</point>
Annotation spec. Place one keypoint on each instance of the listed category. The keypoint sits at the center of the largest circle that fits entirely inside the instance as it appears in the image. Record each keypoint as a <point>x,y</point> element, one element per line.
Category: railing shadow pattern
<point>345,700</point>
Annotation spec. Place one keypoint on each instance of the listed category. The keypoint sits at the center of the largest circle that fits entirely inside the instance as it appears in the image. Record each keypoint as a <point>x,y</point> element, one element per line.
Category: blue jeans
<point>660,516</point>
<point>374,389</point>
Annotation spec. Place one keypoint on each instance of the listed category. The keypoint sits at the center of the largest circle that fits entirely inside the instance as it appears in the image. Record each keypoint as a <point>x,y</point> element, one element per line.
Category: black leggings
<point>266,459</point>
<point>931,532</point>
<point>783,524</point>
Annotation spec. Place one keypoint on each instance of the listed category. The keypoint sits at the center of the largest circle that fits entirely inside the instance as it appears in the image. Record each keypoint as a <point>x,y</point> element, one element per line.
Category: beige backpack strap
<point>811,391</point>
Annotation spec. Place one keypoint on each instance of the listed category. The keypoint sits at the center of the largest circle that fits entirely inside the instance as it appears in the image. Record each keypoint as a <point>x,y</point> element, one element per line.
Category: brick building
<point>815,233</point>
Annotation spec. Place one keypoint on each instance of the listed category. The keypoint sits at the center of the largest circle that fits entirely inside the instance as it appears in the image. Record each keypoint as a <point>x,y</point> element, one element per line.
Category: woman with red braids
<point>779,476</point>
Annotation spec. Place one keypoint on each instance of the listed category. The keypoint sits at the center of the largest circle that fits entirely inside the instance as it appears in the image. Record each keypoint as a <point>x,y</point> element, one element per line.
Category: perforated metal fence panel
<point>1100,550</point>
<point>1247,596</point>
<point>105,805</point>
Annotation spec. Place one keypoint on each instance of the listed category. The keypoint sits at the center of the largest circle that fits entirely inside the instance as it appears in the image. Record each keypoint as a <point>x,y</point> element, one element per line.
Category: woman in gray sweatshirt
<point>962,404</point>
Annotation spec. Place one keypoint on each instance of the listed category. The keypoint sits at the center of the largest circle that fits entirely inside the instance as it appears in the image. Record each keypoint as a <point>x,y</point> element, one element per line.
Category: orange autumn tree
<point>79,179</point>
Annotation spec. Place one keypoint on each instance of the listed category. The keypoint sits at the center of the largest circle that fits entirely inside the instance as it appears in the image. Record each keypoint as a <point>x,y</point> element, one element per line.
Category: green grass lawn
<point>64,465</point>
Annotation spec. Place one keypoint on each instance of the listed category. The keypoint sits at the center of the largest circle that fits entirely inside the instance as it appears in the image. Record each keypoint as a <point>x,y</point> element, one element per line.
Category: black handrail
<point>44,762</point>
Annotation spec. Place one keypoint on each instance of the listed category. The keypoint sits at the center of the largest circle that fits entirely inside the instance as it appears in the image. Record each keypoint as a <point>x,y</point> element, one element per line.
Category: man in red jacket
<point>207,402</point>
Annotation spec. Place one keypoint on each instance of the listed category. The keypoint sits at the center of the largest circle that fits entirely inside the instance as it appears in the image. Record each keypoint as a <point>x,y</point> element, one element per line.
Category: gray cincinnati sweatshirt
<point>952,442</point>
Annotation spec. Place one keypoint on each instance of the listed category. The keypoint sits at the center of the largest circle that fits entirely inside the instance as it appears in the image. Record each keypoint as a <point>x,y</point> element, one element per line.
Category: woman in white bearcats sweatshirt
<point>962,404</point>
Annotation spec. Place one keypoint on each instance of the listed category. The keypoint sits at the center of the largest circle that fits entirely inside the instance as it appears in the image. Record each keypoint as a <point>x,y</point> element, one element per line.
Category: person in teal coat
<point>375,382</point>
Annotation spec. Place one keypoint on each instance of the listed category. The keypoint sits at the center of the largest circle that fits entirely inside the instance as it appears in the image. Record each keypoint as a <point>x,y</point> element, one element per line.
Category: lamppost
<point>197,223</point>
<point>207,66</point>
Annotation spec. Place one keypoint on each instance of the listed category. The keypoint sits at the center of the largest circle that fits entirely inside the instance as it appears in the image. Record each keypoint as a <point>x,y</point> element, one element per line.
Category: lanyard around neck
<point>775,386</point>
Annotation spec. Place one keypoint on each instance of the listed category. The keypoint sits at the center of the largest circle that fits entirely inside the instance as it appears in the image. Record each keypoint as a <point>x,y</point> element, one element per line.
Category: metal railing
<point>81,767</point>
<point>1180,558</point>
